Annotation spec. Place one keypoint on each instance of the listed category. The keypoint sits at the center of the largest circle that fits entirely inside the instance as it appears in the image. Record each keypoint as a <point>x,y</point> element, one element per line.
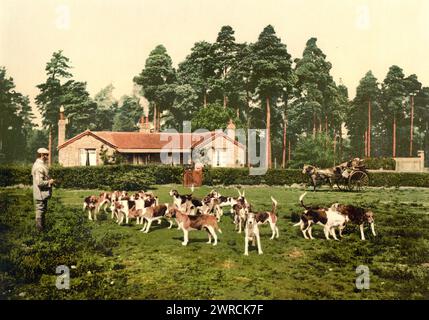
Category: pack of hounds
<point>190,213</point>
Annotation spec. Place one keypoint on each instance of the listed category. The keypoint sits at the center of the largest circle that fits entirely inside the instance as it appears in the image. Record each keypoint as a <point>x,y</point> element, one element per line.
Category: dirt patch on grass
<point>296,253</point>
<point>228,264</point>
<point>242,279</point>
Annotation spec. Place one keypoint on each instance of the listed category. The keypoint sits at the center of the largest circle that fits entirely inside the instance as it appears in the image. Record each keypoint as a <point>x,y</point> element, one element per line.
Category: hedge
<point>112,177</point>
<point>134,177</point>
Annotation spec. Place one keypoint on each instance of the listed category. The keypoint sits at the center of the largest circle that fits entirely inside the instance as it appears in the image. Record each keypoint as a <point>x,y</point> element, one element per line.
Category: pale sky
<point>108,41</point>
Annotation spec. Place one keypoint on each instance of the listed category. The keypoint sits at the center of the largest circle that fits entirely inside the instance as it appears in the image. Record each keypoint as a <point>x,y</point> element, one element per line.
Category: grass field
<point>134,265</point>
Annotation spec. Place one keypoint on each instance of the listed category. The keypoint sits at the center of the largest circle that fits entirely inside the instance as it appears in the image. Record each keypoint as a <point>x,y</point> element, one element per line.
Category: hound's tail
<point>301,200</point>
<point>239,193</point>
<point>273,210</point>
<point>297,224</point>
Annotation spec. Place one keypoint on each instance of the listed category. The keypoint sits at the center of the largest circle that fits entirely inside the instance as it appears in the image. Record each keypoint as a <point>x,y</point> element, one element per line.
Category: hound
<point>184,202</point>
<point>122,210</point>
<point>251,232</point>
<point>188,223</point>
<point>330,218</point>
<point>104,200</point>
<point>356,215</point>
<point>211,206</point>
<point>270,217</point>
<point>90,204</point>
<point>240,209</point>
<point>115,196</point>
<point>229,201</point>
<point>153,213</point>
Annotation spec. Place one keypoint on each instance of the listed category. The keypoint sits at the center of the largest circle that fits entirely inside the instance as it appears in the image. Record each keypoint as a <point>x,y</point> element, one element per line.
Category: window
<point>87,157</point>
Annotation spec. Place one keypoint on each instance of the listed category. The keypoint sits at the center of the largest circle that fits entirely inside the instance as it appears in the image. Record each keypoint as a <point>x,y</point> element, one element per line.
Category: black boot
<point>39,224</point>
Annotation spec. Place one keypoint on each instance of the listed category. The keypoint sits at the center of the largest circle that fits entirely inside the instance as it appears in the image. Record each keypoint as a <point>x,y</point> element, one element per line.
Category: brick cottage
<point>217,149</point>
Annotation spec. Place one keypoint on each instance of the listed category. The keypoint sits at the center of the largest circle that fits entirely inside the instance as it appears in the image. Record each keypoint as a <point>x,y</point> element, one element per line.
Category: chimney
<point>230,130</point>
<point>62,127</point>
<point>144,126</point>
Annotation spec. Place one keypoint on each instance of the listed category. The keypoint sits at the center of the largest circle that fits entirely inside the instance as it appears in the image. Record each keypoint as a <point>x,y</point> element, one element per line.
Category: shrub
<point>398,179</point>
<point>13,174</point>
<point>380,163</point>
<point>27,255</point>
<point>319,149</point>
<point>133,181</point>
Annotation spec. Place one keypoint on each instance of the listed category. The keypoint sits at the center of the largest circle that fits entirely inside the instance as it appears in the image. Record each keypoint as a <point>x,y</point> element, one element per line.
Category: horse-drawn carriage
<point>352,179</point>
<point>348,176</point>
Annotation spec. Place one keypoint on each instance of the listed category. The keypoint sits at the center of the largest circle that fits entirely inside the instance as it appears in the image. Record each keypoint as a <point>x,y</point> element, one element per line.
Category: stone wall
<point>411,164</point>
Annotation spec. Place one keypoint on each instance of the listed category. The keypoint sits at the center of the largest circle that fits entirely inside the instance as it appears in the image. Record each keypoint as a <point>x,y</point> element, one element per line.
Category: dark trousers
<point>41,208</point>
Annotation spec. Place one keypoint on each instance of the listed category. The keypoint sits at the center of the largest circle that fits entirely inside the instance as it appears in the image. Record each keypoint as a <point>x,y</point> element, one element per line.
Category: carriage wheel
<point>358,181</point>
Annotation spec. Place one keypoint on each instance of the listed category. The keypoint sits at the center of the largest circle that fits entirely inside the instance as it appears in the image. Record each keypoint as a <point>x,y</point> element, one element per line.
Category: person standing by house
<point>42,186</point>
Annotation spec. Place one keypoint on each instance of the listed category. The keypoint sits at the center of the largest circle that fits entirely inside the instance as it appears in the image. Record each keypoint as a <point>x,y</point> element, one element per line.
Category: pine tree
<point>158,82</point>
<point>271,70</point>
<point>357,121</point>
<point>393,95</point>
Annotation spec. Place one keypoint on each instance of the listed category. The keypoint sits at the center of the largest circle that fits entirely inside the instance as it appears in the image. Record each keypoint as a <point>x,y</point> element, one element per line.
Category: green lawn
<point>134,265</point>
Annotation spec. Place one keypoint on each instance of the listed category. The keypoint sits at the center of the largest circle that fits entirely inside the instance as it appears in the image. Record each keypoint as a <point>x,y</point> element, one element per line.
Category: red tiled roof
<point>141,140</point>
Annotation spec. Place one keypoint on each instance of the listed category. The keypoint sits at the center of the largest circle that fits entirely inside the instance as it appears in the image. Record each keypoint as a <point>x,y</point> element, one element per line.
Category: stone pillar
<point>421,155</point>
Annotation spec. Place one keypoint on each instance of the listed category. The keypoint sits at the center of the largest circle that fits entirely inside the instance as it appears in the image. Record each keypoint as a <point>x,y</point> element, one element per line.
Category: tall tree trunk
<point>284,140</point>
<point>326,124</point>
<point>205,98</point>
<point>394,136</point>
<point>248,123</point>
<point>225,99</point>
<point>366,143</point>
<point>158,121</point>
<point>268,133</point>
<point>335,148</point>
<point>412,126</point>
<point>341,141</point>
<point>314,124</point>
<point>50,146</point>
<point>154,116</point>
<point>369,129</point>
